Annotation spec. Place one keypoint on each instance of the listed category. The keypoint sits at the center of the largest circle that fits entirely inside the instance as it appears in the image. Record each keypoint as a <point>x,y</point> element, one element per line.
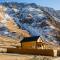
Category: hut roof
<point>28,39</point>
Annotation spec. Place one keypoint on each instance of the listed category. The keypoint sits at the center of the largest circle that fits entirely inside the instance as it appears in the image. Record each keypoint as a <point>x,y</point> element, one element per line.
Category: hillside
<point>10,33</point>
<point>19,20</point>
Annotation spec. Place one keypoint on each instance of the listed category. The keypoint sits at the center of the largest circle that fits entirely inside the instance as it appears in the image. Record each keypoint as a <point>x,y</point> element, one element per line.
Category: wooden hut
<point>32,42</point>
<point>36,42</point>
<point>29,42</point>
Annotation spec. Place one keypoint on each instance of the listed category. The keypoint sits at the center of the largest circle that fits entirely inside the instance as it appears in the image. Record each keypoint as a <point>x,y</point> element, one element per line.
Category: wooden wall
<point>43,52</point>
<point>29,44</point>
<point>58,53</point>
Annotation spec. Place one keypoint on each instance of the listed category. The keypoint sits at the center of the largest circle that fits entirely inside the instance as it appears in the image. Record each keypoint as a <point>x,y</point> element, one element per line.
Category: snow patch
<point>3,21</point>
<point>56,19</point>
<point>6,16</point>
<point>52,27</point>
<point>6,32</point>
<point>16,10</point>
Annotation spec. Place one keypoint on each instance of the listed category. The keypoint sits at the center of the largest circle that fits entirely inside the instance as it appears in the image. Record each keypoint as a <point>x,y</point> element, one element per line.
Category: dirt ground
<point>6,56</point>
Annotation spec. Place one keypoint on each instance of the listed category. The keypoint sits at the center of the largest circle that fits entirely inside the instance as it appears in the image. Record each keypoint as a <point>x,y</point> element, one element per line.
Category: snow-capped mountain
<point>35,19</point>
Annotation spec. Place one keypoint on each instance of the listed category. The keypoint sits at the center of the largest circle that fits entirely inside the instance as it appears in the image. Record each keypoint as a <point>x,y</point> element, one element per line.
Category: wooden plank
<point>43,52</point>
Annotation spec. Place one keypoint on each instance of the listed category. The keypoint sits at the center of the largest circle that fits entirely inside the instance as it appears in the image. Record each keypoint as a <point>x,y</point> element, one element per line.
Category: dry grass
<point>5,56</point>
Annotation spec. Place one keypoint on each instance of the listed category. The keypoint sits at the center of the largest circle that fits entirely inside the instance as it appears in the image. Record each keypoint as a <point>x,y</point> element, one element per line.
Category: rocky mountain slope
<point>27,20</point>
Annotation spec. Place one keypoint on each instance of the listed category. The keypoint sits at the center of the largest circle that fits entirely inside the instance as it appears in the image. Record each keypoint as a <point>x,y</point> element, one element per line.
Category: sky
<point>48,3</point>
